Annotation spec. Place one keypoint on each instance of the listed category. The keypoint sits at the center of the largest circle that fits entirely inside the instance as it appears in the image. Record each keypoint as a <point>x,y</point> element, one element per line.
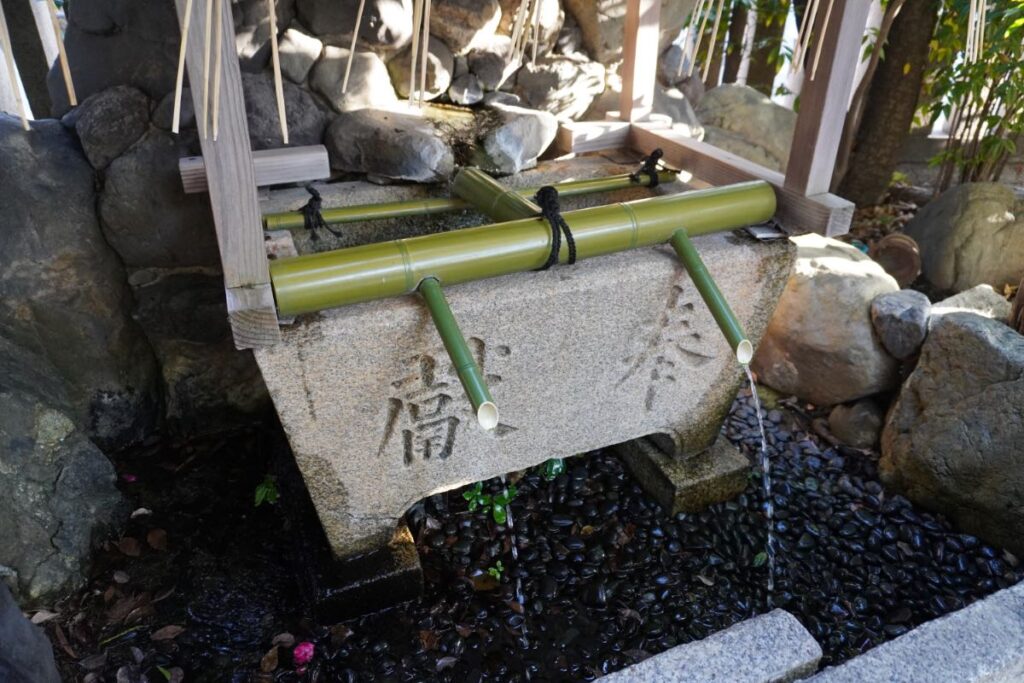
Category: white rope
<point>282,117</point>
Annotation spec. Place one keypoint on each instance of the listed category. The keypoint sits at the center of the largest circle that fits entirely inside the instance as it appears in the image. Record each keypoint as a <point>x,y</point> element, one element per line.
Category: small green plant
<point>496,570</point>
<point>266,491</point>
<point>552,468</point>
<point>760,559</point>
<point>497,504</point>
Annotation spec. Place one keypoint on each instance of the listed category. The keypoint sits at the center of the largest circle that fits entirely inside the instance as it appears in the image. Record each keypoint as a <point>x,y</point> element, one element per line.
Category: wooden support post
<point>825,99</point>
<point>639,59</point>
<point>272,167</point>
<point>232,184</point>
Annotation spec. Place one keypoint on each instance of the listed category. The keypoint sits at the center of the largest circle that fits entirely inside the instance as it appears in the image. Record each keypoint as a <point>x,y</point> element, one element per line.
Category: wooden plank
<point>825,98</point>
<point>639,59</point>
<point>272,167</point>
<point>578,137</point>
<point>232,186</point>
<point>822,213</point>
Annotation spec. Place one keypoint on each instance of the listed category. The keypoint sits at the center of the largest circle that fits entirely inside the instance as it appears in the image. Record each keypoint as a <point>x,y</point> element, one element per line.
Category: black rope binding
<point>312,219</point>
<point>547,200</point>
<point>649,167</point>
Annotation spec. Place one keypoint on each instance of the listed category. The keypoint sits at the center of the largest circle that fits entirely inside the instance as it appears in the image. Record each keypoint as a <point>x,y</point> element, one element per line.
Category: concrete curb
<point>769,648</point>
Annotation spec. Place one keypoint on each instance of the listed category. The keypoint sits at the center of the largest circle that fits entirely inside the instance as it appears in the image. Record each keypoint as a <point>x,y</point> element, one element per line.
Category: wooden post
<point>639,59</point>
<point>232,185</point>
<point>825,98</point>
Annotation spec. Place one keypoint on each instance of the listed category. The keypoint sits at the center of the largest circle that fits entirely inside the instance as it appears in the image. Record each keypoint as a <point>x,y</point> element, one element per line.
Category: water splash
<point>520,598</point>
<point>766,485</point>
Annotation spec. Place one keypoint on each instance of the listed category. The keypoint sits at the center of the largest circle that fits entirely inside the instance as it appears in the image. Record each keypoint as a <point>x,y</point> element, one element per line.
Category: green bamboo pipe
<point>291,220</point>
<point>462,358</point>
<point>491,198</point>
<point>375,271</point>
<point>713,298</point>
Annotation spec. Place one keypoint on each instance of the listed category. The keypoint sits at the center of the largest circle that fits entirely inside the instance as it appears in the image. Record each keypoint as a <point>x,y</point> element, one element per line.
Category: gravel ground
<point>606,577</point>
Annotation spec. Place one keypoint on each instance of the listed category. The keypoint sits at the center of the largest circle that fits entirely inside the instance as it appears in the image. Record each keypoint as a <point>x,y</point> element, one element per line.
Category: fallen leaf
<point>284,640</point>
<point>339,634</point>
<point>463,630</point>
<point>130,546</point>
<point>43,616</point>
<point>169,632</point>
<point>269,661</point>
<point>429,640</point>
<point>62,640</point>
<point>164,594</point>
<point>515,606</point>
<point>157,539</point>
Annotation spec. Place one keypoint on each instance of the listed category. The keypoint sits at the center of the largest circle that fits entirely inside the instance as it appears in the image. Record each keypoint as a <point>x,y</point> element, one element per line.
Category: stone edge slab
<point>768,648</point>
<point>982,643</point>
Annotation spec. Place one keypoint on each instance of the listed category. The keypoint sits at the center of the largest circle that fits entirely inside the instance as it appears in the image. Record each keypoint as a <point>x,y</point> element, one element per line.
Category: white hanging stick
<point>204,118</point>
<point>969,42</point>
<point>417,17</point>
<point>517,28</point>
<point>276,61</point>
<point>218,39</point>
<point>690,26</point>
<point>536,34</point>
<point>12,70</point>
<point>424,50</point>
<point>821,39</point>
<point>524,37</point>
<point>181,65</point>
<point>804,39</point>
<point>980,42</point>
<point>352,46</point>
<point>700,39</point>
<point>711,45</point>
<point>62,54</point>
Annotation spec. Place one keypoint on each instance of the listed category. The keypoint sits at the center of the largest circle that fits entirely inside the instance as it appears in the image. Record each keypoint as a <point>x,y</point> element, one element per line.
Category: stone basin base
<point>577,358</point>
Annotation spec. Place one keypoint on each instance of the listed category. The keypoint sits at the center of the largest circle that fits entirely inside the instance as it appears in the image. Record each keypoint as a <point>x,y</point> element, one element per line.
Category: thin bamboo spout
<point>462,358</point>
<point>375,271</point>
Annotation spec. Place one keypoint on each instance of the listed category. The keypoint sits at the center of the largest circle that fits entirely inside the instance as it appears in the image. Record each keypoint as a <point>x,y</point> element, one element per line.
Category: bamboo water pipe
<point>492,199</point>
<point>375,271</point>
<point>465,365</point>
<point>292,220</point>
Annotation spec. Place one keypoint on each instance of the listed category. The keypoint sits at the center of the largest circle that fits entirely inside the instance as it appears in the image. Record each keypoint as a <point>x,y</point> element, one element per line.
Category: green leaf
<point>499,513</point>
<point>166,672</point>
<point>760,559</point>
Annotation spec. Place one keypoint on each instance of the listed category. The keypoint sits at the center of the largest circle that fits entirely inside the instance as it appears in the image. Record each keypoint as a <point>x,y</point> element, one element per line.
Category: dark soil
<point>608,578</point>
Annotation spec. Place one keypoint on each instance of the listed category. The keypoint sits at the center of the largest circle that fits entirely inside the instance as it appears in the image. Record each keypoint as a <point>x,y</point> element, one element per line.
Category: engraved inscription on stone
<point>668,343</point>
<point>428,407</point>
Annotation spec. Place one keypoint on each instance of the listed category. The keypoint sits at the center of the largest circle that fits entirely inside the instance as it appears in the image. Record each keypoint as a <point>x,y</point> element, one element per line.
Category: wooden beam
<point>639,59</point>
<point>232,185</point>
<point>578,137</point>
<point>825,98</point>
<point>823,213</point>
<point>272,167</point>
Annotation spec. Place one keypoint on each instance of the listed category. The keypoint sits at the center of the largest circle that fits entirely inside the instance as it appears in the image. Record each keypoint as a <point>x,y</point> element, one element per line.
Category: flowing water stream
<point>515,558</point>
<point>766,485</point>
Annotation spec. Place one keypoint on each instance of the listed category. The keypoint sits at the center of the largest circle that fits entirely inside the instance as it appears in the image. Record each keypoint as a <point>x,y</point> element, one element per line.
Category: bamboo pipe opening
<point>745,352</point>
<point>487,415</point>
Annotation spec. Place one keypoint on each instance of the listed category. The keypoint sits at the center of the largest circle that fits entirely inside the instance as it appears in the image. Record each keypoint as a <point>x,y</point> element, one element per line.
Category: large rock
<point>901,321</point>
<point>673,103</point>
<point>25,653</point>
<point>65,327</point>
<point>564,86</point>
<point>550,17</point>
<point>513,138</point>
<point>56,494</point>
<point>973,234</point>
<point>440,66</point>
<point>306,121</point>
<point>746,122</point>
<point>110,122</point>
<point>369,83</point>
<point>206,381</point>
<point>981,300</point>
<point>389,144</point>
<point>464,24</point>
<point>118,42</point>
<point>298,53</point>
<point>953,438</point>
<point>147,217</point>
<point>821,345</point>
<point>603,23</point>
<point>252,29</point>
<point>492,63</point>
<point>857,424</point>
<point>368,395</point>
<point>386,24</point>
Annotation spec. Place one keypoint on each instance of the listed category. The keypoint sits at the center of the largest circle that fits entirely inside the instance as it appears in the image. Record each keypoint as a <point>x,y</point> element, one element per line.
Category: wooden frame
<point>805,204</point>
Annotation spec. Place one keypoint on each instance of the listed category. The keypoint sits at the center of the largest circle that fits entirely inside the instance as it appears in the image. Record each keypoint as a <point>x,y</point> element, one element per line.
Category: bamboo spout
<point>462,358</point>
<point>713,298</point>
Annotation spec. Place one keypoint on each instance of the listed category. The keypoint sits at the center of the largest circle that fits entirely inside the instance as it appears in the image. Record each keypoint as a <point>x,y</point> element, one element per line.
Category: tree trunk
<point>891,103</point>
<point>737,26</point>
<point>764,59</point>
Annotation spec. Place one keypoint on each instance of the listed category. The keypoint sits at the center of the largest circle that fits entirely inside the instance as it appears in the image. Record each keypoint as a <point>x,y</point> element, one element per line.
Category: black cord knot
<point>547,200</point>
<point>649,167</point>
<point>312,218</point>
